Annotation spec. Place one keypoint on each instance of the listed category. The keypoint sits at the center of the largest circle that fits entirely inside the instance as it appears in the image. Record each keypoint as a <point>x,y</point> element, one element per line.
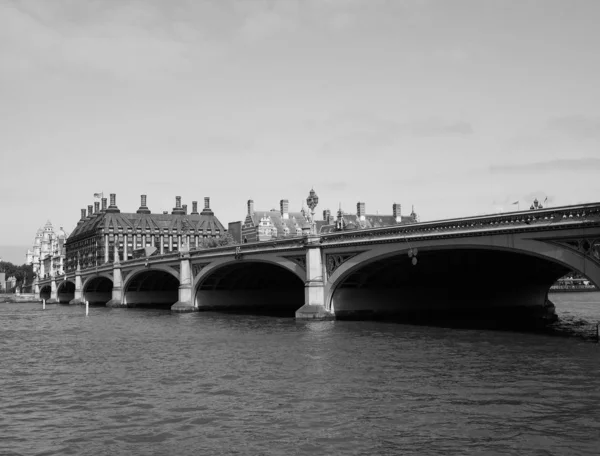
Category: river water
<point>148,382</point>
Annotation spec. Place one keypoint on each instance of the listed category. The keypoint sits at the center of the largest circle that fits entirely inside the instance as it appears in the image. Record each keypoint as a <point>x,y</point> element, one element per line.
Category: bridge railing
<point>579,213</point>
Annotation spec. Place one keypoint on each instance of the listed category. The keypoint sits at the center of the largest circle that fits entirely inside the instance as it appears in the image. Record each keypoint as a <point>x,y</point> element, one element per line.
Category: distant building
<point>93,240</point>
<point>362,221</point>
<point>48,252</point>
<point>266,225</point>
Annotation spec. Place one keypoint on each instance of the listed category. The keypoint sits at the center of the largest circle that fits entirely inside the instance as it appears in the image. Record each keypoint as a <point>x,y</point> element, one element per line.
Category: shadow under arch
<point>97,290</point>
<point>251,286</point>
<point>45,292</point>
<point>154,288</point>
<point>65,291</point>
<point>475,286</point>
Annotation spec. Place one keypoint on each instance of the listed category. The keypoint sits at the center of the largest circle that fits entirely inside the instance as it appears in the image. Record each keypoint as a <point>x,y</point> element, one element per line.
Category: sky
<point>456,107</point>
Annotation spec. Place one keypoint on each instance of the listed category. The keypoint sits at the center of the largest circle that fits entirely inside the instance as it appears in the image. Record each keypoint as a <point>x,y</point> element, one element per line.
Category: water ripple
<point>150,382</point>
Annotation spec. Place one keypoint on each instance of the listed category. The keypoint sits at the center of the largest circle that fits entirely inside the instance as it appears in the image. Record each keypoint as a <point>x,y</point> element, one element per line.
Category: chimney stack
<point>113,204</point>
<point>103,204</point>
<point>206,210</point>
<point>194,207</point>
<point>285,211</point>
<point>396,210</point>
<point>184,209</point>
<point>360,211</point>
<point>90,209</point>
<point>82,214</point>
<point>143,208</point>
<point>177,209</point>
<point>250,207</point>
<point>327,215</point>
<point>96,207</point>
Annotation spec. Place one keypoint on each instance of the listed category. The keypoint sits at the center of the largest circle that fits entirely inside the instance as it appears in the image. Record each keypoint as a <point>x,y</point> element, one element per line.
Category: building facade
<point>47,255</point>
<point>101,229</point>
<point>266,225</point>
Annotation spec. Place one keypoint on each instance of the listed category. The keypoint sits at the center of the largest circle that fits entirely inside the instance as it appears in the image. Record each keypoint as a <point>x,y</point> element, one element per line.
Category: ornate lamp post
<point>312,201</point>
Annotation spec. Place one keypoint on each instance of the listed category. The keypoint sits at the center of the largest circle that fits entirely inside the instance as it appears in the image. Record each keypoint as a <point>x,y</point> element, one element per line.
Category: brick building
<point>98,231</point>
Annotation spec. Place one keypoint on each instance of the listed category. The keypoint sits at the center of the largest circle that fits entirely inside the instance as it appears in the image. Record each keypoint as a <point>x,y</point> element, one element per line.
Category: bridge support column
<point>36,288</point>
<point>53,292</point>
<point>186,300</point>
<point>314,287</point>
<point>78,298</point>
<point>117,290</point>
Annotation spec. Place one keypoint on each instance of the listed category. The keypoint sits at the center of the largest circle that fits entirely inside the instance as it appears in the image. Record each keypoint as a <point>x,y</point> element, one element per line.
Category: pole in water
<point>43,304</point>
<point>87,308</point>
<point>598,332</point>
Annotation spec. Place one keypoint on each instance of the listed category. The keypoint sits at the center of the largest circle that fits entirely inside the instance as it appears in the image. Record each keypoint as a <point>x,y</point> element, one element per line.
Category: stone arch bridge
<point>500,265</point>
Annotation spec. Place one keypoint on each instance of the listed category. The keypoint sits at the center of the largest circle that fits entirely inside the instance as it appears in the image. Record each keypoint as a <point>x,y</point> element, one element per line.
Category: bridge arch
<point>258,284</point>
<point>468,278</point>
<point>45,292</point>
<point>65,291</point>
<point>97,289</point>
<point>156,287</point>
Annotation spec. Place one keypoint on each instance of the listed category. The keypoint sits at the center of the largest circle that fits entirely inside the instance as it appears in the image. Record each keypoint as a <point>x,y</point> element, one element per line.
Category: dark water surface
<point>148,382</point>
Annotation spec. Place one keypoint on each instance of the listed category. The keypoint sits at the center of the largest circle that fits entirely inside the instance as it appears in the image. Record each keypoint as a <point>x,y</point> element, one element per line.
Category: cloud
<point>563,165</point>
<point>576,126</point>
<point>122,39</point>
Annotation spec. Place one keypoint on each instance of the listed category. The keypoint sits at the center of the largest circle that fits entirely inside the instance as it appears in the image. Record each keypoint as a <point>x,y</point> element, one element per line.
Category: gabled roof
<point>295,220</point>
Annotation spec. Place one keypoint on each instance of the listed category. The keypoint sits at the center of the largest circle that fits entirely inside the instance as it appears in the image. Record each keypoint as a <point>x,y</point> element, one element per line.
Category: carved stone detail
<point>196,268</point>
<point>300,260</point>
<point>586,247</point>
<point>334,261</point>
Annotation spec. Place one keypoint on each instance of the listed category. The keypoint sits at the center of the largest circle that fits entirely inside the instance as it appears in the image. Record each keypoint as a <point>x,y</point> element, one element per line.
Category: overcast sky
<point>458,107</point>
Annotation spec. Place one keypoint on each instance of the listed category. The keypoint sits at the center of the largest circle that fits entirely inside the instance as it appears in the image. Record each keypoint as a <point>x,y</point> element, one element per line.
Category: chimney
<point>284,205</point>
<point>82,214</point>
<point>143,208</point>
<point>250,207</point>
<point>90,209</point>
<point>184,209</point>
<point>206,210</point>
<point>96,207</point>
<point>177,209</point>
<point>396,210</point>
<point>327,215</point>
<point>194,207</point>
<point>103,204</point>
<point>113,203</point>
<point>360,211</point>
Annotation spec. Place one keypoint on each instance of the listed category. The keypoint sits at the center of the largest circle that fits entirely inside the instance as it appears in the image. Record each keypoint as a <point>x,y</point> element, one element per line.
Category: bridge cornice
<point>570,218</point>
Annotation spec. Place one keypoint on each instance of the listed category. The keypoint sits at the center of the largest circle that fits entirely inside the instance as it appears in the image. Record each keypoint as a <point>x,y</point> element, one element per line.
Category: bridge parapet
<point>538,220</point>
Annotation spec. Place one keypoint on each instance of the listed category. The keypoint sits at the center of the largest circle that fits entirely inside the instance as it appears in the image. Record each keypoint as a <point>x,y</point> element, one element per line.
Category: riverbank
<point>13,298</point>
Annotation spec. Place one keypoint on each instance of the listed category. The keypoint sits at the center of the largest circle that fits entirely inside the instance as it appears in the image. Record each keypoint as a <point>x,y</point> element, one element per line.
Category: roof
<point>153,223</point>
<point>353,222</point>
<point>295,220</point>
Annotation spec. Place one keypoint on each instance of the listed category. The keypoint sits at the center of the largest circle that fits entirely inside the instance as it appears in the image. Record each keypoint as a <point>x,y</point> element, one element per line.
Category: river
<point>149,382</point>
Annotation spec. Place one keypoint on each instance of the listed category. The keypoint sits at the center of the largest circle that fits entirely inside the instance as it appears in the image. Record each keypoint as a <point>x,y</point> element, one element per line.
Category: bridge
<point>499,266</point>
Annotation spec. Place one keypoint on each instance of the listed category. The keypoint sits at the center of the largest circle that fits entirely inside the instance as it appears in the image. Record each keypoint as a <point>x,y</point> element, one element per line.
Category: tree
<point>21,273</point>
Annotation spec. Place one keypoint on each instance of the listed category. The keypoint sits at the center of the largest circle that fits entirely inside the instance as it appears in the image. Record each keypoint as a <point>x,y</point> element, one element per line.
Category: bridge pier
<point>117,290</point>
<point>314,287</point>
<point>78,298</point>
<point>185,303</point>
<point>53,292</point>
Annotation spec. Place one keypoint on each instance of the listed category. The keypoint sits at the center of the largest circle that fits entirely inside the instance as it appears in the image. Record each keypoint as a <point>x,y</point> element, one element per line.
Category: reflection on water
<point>148,382</point>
